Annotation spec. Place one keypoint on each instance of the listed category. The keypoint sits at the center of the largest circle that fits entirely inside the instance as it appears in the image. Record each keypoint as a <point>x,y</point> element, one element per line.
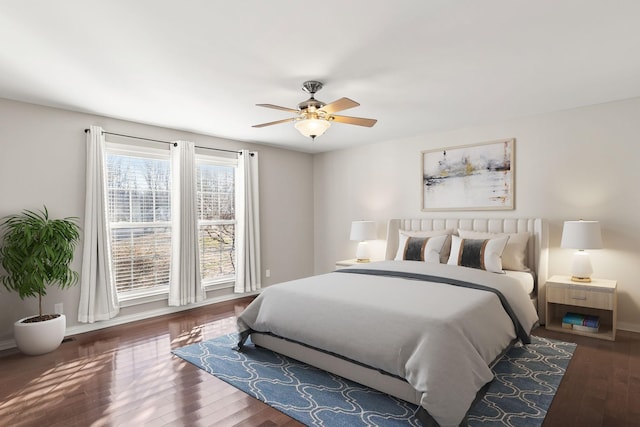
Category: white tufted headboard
<point>537,257</point>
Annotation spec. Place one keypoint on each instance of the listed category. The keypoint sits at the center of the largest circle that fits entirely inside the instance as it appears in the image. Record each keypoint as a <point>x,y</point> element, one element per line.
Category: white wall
<point>42,161</point>
<point>582,163</point>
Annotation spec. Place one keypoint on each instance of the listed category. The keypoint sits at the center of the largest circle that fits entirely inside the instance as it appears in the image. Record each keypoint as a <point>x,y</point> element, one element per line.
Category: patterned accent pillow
<point>421,248</point>
<point>484,254</point>
<point>515,253</point>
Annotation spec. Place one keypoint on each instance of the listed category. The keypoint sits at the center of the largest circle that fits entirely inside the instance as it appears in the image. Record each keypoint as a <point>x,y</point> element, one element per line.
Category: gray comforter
<point>441,338</point>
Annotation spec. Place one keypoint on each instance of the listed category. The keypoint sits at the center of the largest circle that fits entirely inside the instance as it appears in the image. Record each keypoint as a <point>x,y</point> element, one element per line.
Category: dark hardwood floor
<point>602,384</point>
<point>126,376</point>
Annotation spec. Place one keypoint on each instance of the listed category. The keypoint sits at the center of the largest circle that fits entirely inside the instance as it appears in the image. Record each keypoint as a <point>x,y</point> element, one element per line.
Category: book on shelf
<point>581,322</point>
<point>581,328</point>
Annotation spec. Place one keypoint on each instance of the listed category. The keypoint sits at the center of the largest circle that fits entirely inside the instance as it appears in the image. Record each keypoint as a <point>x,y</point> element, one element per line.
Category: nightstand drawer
<point>580,297</point>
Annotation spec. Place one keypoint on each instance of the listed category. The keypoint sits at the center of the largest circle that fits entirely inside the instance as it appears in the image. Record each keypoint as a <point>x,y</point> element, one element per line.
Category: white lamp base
<point>362,253</point>
<point>581,270</point>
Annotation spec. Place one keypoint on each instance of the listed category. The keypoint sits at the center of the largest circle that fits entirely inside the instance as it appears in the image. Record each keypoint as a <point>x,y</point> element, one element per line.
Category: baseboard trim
<point>121,320</point>
<point>626,326</point>
<point>7,344</point>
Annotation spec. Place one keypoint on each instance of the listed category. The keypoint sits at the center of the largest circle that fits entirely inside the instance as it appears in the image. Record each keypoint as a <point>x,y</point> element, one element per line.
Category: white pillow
<point>514,253</point>
<point>484,254</point>
<point>421,246</point>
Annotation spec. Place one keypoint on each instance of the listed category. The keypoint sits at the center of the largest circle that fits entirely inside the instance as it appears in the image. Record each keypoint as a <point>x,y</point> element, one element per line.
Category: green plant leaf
<point>36,252</point>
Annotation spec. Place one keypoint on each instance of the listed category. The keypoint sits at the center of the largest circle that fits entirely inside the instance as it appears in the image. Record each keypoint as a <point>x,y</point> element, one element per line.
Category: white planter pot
<point>39,337</point>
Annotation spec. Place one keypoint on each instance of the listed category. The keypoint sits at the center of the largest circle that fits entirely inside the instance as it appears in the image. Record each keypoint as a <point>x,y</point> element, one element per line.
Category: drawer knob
<point>579,298</point>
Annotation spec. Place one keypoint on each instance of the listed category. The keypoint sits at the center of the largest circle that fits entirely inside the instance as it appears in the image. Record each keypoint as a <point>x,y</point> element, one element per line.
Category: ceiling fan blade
<point>277,107</point>
<point>339,105</point>
<point>274,123</point>
<point>354,121</point>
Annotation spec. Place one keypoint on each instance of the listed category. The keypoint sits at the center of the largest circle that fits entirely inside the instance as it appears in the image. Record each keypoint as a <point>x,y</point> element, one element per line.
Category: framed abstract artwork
<point>470,177</point>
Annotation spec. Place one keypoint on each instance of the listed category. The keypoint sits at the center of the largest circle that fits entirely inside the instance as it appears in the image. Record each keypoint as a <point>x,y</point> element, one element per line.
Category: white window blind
<point>216,218</point>
<point>139,215</point>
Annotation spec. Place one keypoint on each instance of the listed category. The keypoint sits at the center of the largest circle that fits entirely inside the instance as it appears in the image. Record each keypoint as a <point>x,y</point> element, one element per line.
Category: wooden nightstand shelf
<point>599,298</point>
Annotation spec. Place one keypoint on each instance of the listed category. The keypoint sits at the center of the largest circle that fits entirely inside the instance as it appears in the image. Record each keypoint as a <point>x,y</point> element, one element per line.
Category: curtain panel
<point>247,224</point>
<point>185,285</point>
<point>98,297</point>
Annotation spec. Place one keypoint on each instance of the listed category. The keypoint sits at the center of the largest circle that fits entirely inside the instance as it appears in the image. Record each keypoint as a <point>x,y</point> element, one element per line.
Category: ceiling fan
<point>314,117</point>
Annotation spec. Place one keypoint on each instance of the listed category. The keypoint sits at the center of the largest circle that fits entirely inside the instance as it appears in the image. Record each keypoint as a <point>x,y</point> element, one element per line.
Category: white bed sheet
<point>524,278</point>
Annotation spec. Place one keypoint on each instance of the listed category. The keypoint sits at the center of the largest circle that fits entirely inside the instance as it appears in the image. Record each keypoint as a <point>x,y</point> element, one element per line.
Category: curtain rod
<point>175,144</point>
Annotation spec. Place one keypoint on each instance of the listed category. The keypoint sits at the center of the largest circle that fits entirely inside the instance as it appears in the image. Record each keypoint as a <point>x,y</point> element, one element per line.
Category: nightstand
<point>598,297</point>
<point>349,262</point>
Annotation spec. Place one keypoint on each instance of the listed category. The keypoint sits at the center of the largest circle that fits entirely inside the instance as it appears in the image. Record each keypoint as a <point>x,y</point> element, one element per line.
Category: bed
<point>425,332</point>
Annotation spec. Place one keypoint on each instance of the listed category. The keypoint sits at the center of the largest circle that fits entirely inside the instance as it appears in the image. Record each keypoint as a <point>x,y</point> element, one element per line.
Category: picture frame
<point>469,177</point>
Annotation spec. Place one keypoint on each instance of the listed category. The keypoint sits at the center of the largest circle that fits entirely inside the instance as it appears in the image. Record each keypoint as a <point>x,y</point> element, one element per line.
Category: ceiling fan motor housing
<point>311,104</point>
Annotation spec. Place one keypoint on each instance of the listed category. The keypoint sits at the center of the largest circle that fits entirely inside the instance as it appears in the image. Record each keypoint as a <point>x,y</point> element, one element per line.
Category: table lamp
<point>581,235</point>
<point>362,231</point>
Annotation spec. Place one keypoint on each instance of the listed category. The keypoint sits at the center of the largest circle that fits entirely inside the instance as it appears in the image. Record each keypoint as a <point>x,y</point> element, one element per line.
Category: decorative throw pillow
<point>514,253</point>
<point>484,254</point>
<point>420,247</point>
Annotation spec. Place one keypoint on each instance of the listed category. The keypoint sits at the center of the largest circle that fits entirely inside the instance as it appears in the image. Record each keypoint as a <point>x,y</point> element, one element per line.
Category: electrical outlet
<point>267,273</point>
<point>58,308</point>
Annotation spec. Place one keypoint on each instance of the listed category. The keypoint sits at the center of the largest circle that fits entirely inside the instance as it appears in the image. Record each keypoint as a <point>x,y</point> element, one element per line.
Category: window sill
<point>163,294</point>
<point>143,297</point>
<point>215,286</point>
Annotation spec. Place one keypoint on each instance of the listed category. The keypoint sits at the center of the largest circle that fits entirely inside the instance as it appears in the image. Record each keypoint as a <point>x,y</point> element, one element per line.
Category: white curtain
<point>98,297</point>
<point>247,224</point>
<point>185,285</point>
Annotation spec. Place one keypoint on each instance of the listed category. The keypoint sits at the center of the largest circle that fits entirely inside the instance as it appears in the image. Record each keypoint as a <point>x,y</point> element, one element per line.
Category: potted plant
<point>36,252</point>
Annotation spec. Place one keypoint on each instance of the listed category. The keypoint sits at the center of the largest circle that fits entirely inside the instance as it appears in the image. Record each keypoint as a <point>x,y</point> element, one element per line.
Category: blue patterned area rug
<point>526,379</point>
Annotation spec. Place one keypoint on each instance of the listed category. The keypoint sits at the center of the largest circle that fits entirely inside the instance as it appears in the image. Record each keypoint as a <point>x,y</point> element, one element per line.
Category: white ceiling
<point>416,66</point>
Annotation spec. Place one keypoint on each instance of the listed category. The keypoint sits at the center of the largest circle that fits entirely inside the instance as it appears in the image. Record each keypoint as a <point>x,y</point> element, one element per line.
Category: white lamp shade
<point>363,230</point>
<point>312,127</point>
<point>581,235</point>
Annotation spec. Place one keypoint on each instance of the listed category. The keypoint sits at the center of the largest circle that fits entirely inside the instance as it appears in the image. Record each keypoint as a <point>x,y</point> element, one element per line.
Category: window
<point>139,216</point>
<point>216,218</point>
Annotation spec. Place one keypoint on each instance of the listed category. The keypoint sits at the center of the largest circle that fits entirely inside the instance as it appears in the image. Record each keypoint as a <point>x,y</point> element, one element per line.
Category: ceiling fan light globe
<point>312,127</point>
